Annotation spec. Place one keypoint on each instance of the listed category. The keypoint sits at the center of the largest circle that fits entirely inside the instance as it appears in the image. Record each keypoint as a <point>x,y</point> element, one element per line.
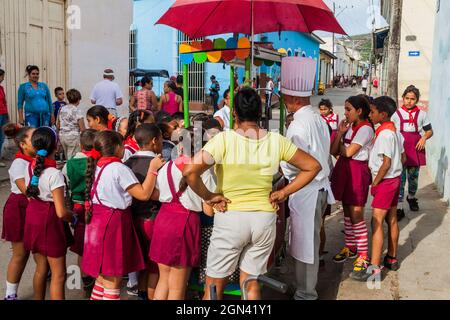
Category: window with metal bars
<point>197,73</point>
<point>133,58</point>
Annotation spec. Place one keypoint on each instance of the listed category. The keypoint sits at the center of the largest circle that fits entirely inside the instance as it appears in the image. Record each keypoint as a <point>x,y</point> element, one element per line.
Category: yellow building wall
<point>418,20</point>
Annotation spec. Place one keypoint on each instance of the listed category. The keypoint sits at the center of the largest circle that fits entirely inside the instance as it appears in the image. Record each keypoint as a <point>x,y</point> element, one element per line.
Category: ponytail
<point>90,177</point>
<point>33,188</point>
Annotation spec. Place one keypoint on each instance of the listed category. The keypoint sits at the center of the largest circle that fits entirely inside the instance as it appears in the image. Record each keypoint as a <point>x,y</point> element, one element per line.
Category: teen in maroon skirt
<point>15,210</point>
<point>47,234</point>
<point>111,245</point>
<point>351,177</point>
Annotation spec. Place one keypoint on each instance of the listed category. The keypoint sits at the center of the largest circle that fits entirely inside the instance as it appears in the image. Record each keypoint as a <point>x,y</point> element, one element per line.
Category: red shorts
<point>385,195</point>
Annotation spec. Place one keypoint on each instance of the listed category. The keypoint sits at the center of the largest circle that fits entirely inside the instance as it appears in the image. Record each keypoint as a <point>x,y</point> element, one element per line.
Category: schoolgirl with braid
<point>47,234</point>
<point>111,245</point>
<point>75,173</point>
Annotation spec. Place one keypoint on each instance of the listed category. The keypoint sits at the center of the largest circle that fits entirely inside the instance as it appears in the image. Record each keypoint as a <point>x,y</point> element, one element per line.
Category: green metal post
<point>186,96</point>
<point>248,71</point>
<point>231,95</point>
<point>282,115</point>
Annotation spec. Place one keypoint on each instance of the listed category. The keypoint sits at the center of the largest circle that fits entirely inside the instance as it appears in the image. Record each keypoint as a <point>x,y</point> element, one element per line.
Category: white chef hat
<point>298,76</point>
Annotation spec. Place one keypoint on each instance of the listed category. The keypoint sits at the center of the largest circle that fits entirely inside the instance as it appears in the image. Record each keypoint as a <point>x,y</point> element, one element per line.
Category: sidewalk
<point>423,254</point>
<point>4,176</point>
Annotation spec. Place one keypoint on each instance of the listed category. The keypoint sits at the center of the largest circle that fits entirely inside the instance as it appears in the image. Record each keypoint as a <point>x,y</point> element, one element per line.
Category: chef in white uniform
<point>309,132</point>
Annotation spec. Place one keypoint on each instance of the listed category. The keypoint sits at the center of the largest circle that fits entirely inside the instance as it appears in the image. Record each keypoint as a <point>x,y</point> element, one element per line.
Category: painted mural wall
<point>438,150</point>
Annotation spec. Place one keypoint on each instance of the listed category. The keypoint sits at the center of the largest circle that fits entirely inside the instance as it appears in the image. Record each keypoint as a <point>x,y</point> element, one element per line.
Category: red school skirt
<point>145,231</point>
<point>45,233</point>
<point>78,233</point>
<point>350,181</point>
<point>111,245</point>
<point>177,237</point>
<point>14,214</point>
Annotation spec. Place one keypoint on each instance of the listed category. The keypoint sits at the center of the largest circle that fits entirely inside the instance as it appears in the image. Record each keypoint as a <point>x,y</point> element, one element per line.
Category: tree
<point>394,47</point>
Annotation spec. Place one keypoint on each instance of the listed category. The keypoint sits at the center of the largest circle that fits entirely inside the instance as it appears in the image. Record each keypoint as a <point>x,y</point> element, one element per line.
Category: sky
<point>355,15</point>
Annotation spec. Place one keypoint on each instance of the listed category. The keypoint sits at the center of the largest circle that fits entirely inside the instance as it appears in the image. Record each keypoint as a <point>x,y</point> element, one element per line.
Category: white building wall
<point>418,19</point>
<point>101,42</point>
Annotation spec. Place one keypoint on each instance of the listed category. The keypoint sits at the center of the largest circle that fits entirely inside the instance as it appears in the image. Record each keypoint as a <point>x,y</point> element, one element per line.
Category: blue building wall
<point>438,147</point>
<point>157,45</point>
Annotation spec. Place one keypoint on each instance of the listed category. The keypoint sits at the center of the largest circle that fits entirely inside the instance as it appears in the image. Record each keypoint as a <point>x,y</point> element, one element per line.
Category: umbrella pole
<point>282,114</point>
<point>186,96</point>
<point>231,95</point>
<point>253,41</point>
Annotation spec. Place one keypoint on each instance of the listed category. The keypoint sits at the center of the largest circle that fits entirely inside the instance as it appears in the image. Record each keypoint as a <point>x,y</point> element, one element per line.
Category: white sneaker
<point>2,165</point>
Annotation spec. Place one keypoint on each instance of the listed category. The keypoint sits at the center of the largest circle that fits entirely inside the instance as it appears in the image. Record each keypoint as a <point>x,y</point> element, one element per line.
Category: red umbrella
<point>200,18</point>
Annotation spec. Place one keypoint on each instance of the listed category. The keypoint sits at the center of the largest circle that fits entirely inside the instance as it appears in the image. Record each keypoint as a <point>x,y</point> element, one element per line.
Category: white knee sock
<point>11,288</point>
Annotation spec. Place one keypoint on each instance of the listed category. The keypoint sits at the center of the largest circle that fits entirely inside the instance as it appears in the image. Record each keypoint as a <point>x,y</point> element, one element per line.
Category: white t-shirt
<point>389,144</point>
<point>224,114</point>
<point>364,83</point>
<point>364,137</point>
<point>269,86</point>
<point>126,155</point>
<point>189,199</point>
<point>106,93</point>
<point>50,180</point>
<point>17,171</point>
<point>333,120</point>
<point>113,185</point>
<point>422,121</point>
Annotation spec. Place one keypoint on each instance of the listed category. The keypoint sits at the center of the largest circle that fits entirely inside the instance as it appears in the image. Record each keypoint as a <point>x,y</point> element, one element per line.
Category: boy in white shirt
<point>385,163</point>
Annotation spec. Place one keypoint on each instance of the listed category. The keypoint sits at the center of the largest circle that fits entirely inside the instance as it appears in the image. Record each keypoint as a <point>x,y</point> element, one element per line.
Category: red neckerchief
<point>359,126</point>
<point>388,125</point>
<point>131,143</point>
<point>48,163</point>
<point>107,160</point>
<point>410,112</point>
<point>20,155</point>
<point>182,161</point>
<point>329,118</point>
<point>92,153</point>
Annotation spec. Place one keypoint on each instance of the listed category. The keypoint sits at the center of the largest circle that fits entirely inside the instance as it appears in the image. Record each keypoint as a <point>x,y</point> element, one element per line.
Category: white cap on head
<point>298,76</point>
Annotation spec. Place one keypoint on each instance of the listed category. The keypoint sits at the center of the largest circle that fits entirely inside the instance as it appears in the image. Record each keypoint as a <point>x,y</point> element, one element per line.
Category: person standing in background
<point>3,113</point>
<point>60,101</point>
<point>37,99</point>
<point>107,93</point>
<point>214,93</point>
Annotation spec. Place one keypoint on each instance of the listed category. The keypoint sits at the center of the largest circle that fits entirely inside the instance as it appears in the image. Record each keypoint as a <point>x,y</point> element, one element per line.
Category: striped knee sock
<point>361,238</point>
<point>112,294</point>
<point>98,292</point>
<point>349,235</point>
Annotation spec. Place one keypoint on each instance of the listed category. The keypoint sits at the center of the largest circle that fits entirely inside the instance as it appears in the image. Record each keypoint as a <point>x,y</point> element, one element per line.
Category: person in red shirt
<point>3,114</point>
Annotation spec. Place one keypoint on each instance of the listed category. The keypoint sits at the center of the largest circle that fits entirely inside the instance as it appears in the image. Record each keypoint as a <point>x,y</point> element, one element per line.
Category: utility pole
<point>394,48</point>
<point>334,60</point>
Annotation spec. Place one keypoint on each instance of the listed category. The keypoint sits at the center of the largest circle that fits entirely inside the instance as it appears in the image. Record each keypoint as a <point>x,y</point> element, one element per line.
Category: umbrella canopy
<point>200,18</point>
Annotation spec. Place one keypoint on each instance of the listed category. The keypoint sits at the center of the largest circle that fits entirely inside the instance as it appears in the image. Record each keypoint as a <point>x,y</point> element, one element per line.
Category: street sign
<point>414,53</point>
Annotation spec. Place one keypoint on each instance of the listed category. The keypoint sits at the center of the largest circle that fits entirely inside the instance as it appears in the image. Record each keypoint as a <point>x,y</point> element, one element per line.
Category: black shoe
<point>400,214</point>
<point>413,204</point>
<point>391,263</point>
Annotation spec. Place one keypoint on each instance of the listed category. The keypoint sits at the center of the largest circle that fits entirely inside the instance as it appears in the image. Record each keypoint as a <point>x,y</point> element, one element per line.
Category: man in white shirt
<point>269,92</point>
<point>309,132</point>
<point>224,114</point>
<point>107,93</point>
<point>364,84</point>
